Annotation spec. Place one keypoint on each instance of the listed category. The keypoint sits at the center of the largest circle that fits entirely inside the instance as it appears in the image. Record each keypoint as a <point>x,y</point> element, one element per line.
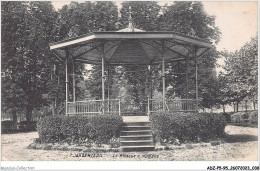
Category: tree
<point>189,18</point>
<point>241,71</point>
<point>27,29</point>
<point>223,92</point>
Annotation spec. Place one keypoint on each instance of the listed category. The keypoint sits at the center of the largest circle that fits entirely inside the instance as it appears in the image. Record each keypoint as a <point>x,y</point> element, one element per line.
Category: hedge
<point>27,126</point>
<point>171,127</point>
<point>98,128</point>
<point>7,126</point>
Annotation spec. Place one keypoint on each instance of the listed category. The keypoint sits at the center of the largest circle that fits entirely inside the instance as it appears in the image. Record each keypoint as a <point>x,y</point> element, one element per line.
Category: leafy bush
<point>169,127</point>
<point>98,128</point>
<point>7,126</point>
<point>228,117</point>
<point>254,117</point>
<point>49,129</point>
<point>27,126</point>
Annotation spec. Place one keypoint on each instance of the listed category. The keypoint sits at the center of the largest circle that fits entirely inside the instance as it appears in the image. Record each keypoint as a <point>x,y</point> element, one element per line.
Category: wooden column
<point>103,83</point>
<point>196,80</point>
<point>74,82</point>
<point>67,80</point>
<point>163,77</point>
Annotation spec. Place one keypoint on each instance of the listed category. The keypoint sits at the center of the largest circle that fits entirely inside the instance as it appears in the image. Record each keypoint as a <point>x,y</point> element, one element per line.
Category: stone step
<point>135,119</point>
<point>135,128</point>
<point>136,124</point>
<point>136,134</point>
<point>136,143</point>
<point>137,148</point>
<point>133,114</point>
<point>139,132</point>
<point>136,137</point>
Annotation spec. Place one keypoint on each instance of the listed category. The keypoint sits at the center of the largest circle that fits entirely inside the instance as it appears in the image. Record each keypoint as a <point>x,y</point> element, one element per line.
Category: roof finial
<point>130,20</point>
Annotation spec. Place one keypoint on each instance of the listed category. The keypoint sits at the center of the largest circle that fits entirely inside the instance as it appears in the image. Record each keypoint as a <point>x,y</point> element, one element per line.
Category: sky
<point>236,20</point>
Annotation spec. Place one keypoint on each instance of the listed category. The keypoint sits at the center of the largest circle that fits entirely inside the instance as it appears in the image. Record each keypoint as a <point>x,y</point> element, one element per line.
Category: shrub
<point>27,126</point>
<point>98,128</point>
<point>254,117</point>
<point>49,129</point>
<point>167,127</point>
<point>7,126</point>
<point>228,117</point>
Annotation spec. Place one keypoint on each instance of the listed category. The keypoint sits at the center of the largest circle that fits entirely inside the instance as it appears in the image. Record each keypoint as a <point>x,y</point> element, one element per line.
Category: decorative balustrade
<point>128,109</point>
<point>91,107</point>
<point>187,105</point>
<point>173,105</point>
<point>85,107</point>
<point>114,106</point>
<point>155,105</point>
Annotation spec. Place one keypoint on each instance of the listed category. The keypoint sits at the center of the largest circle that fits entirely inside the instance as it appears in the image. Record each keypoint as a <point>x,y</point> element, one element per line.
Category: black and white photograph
<point>129,81</point>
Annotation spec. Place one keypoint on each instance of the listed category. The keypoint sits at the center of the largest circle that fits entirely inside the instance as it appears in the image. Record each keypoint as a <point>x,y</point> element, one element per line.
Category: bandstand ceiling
<point>130,46</point>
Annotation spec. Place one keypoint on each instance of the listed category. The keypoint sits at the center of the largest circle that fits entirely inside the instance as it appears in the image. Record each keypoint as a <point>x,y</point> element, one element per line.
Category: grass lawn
<point>240,144</point>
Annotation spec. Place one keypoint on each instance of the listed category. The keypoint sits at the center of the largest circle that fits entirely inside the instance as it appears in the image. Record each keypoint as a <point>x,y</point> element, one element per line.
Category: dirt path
<point>241,144</point>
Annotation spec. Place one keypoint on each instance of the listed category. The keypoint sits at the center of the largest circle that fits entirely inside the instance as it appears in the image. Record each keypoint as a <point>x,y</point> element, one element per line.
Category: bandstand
<point>129,46</point>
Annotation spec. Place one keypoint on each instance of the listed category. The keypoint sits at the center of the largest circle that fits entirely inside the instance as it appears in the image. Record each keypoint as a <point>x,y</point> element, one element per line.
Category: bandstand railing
<point>85,107</point>
<point>132,108</point>
<point>114,106</point>
<point>92,107</point>
<point>172,105</point>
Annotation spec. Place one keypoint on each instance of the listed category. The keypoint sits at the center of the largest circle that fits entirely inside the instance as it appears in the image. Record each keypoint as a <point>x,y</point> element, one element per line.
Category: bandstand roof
<point>130,46</point>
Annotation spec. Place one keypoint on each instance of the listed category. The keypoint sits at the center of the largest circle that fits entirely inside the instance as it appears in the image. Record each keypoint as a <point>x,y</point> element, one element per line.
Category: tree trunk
<point>223,108</point>
<point>246,105</point>
<point>254,104</point>
<point>234,106</point>
<point>237,105</point>
<point>53,107</point>
<point>29,113</point>
<point>15,121</point>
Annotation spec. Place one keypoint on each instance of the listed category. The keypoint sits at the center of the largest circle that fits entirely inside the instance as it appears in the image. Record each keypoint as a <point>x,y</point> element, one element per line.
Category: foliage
<point>189,18</point>
<point>223,92</point>
<point>98,128</point>
<point>144,13</point>
<point>84,18</point>
<point>27,126</point>
<point>228,117</point>
<point>169,127</point>
<point>241,72</point>
<point>74,21</point>
<point>7,126</point>
<point>49,128</point>
<point>27,30</point>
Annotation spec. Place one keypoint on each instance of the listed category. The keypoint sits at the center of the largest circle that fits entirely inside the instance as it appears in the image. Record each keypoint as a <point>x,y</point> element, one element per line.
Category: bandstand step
<point>136,136</point>
<point>137,148</point>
